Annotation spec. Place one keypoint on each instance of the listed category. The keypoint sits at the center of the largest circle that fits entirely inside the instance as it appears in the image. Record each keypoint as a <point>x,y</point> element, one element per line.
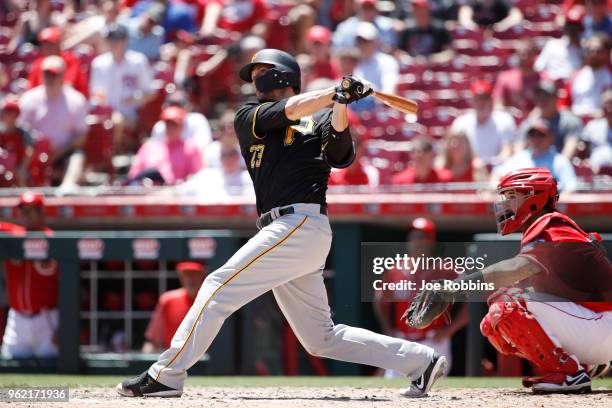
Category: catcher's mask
<point>522,194</point>
<point>284,71</point>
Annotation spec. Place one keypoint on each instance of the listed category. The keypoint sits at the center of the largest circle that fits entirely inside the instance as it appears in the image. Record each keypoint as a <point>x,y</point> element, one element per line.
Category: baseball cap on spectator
<point>548,86</point>
<point>481,87</point>
<point>174,114</point>
<point>420,3</point>
<point>189,266</point>
<point>575,15</point>
<point>51,35</point>
<point>10,103</point>
<point>425,225</point>
<point>115,32</point>
<point>54,64</point>
<point>31,198</point>
<point>319,34</point>
<point>366,30</point>
<point>539,125</point>
<point>155,12</point>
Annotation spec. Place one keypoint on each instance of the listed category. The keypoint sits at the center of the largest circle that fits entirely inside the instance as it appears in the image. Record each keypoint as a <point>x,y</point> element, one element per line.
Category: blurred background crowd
<point>143,92</point>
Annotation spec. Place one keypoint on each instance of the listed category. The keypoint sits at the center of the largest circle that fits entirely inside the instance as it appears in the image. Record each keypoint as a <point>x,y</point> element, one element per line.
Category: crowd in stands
<point>143,92</point>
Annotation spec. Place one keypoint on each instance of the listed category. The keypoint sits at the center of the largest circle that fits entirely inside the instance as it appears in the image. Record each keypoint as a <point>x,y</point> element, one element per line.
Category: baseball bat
<point>397,102</point>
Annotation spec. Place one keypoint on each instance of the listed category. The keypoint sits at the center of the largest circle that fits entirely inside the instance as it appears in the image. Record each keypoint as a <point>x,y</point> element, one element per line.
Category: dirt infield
<point>320,397</point>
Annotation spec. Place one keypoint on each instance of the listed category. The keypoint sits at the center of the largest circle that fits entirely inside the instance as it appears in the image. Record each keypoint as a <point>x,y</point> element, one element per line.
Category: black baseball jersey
<point>289,161</point>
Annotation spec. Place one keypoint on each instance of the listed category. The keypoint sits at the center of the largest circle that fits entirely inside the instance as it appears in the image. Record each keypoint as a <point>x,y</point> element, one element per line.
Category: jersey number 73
<point>257,152</point>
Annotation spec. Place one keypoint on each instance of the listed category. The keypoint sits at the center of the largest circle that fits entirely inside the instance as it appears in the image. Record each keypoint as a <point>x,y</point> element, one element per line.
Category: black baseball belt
<point>266,219</point>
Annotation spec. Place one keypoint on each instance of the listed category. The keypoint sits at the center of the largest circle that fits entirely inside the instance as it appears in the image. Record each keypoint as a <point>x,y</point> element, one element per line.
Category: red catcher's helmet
<point>425,225</point>
<point>31,198</point>
<point>523,193</point>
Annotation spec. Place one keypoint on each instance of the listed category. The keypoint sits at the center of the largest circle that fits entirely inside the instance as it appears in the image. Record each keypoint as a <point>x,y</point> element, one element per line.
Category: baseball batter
<point>289,141</point>
<point>559,315</point>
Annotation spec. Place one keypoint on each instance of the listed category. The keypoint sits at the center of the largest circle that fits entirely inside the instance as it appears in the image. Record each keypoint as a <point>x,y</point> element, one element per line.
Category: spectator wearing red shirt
<point>516,87</point>
<point>458,157</point>
<point>173,306</point>
<point>421,168</point>
<point>31,328</point>
<point>172,157</point>
<point>15,145</point>
<point>50,44</point>
<point>389,305</point>
<point>359,173</point>
<point>320,63</point>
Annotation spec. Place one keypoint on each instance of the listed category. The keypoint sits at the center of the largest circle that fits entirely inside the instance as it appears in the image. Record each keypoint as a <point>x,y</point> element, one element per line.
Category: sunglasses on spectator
<point>536,135</point>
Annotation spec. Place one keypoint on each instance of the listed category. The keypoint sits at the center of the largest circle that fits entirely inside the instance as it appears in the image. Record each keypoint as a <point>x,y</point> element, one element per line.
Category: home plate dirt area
<point>318,392</point>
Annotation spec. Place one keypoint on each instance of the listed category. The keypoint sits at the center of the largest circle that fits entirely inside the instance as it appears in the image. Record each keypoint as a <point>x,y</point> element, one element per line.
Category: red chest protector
<point>558,235</point>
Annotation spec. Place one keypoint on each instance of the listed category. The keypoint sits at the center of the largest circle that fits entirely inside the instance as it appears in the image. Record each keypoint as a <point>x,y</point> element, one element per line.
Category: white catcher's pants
<point>580,331</point>
<point>286,256</point>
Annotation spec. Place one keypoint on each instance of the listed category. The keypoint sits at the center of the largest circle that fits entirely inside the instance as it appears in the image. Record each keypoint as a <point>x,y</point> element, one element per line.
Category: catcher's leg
<point>582,332</point>
<point>512,329</point>
<point>303,301</point>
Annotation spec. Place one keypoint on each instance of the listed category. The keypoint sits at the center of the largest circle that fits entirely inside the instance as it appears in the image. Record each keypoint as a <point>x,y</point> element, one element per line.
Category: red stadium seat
<point>515,33</point>
<point>99,145</point>
<point>583,171</point>
<point>605,171</point>
<point>40,168</point>
<point>460,32</point>
<point>542,13</point>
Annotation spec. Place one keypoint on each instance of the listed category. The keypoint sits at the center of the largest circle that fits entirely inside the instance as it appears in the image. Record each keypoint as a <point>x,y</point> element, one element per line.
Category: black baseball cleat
<point>600,371</point>
<point>577,383</point>
<point>145,386</point>
<point>419,387</point>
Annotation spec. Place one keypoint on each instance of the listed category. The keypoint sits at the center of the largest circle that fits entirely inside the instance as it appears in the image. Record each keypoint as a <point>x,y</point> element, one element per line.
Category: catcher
<point>558,315</point>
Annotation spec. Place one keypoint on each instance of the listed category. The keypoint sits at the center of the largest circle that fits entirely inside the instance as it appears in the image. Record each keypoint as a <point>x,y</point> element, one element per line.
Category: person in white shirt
<point>226,136</point>
<point>541,152</point>
<point>587,85</point>
<point>379,69</point>
<point>561,57</point>
<point>58,112</point>
<point>365,11</point>
<point>121,79</point>
<point>491,132</point>
<point>598,133</point>
<point>195,125</point>
<point>212,184</point>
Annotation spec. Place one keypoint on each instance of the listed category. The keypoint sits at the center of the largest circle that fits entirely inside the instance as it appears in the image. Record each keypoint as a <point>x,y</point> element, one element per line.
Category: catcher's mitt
<point>428,305</point>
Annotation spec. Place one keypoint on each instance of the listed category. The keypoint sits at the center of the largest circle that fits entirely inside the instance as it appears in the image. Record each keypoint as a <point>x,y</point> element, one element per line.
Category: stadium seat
<point>39,167</point>
<point>99,145</point>
<point>461,33</point>
<point>541,13</point>
<point>515,33</point>
<point>583,171</point>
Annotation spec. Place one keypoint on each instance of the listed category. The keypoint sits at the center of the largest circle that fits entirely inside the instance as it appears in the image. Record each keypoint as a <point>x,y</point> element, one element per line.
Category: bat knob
<point>346,83</point>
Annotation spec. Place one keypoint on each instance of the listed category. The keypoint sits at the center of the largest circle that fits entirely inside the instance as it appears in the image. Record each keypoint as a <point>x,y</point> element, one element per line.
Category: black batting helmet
<point>285,71</point>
